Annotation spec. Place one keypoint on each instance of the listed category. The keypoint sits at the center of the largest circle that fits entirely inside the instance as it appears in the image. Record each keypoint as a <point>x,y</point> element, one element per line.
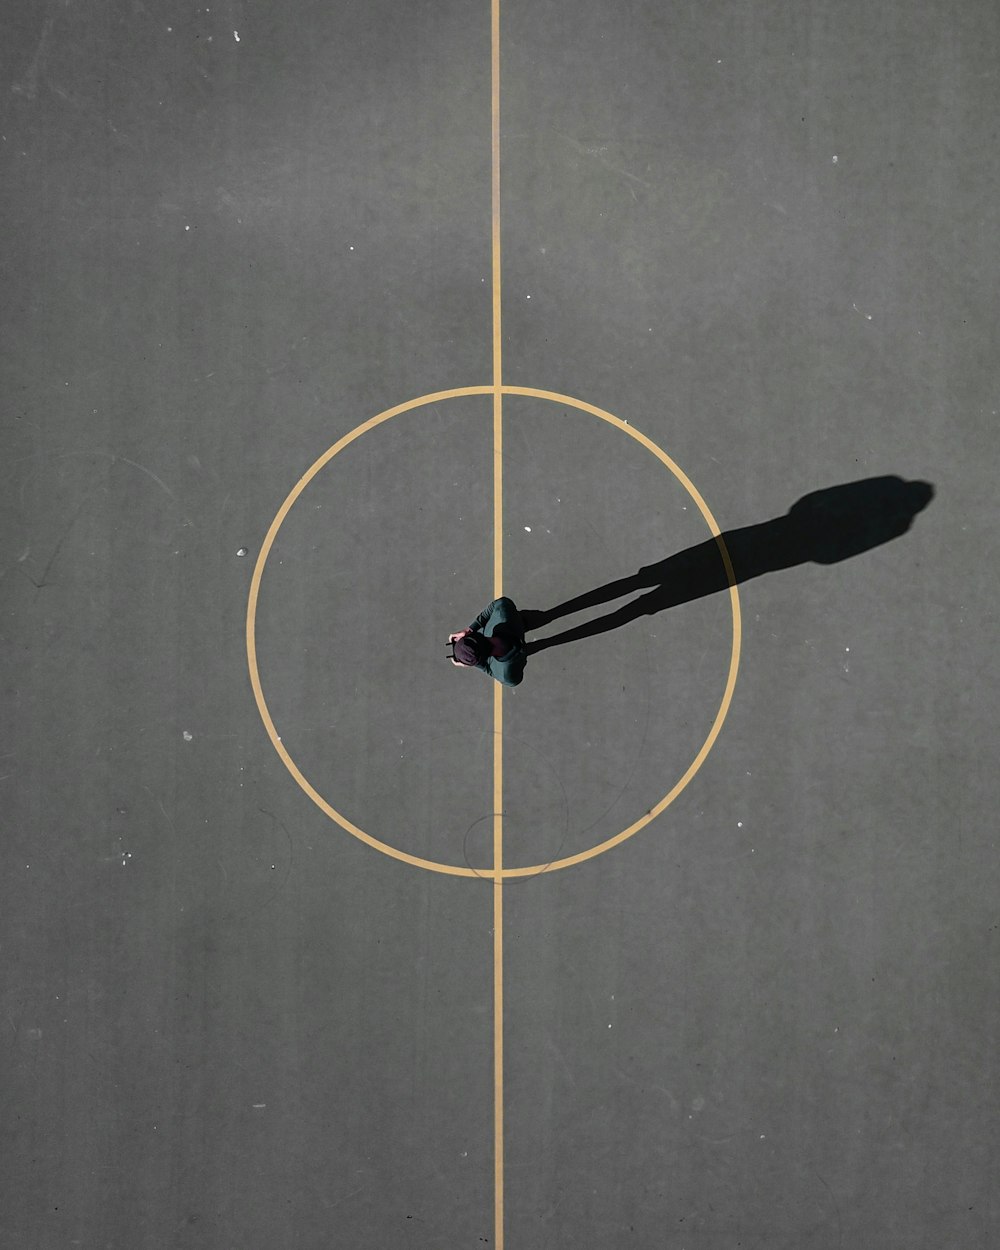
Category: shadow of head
<point>823,527</point>
<point>843,521</point>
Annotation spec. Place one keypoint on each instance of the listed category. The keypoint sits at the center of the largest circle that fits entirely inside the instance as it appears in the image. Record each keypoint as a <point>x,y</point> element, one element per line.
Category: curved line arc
<point>457,870</point>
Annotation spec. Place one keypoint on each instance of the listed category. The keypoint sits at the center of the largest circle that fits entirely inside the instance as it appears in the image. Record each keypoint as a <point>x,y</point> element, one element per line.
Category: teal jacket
<point>501,619</point>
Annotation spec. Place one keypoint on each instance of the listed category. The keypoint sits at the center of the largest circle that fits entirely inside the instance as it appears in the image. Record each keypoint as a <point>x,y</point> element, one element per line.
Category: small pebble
<point>188,736</point>
<point>243,552</point>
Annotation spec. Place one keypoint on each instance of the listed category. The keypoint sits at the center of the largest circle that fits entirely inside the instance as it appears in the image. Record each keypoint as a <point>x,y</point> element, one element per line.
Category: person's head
<point>471,649</point>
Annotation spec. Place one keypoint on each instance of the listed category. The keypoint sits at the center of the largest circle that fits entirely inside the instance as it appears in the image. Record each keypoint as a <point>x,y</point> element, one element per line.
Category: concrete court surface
<point>764,234</point>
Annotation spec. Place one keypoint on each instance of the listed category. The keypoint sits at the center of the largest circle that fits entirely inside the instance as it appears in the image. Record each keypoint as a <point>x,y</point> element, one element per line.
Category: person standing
<point>493,643</point>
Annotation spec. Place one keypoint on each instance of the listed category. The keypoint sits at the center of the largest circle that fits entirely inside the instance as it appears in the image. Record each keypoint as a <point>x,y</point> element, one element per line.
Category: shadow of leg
<point>533,619</point>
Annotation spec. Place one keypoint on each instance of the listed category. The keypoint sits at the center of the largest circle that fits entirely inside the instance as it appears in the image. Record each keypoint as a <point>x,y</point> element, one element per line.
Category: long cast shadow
<point>824,527</point>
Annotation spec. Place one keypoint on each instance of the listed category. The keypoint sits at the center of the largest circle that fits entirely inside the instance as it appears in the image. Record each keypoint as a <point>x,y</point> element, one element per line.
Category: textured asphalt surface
<point>764,234</point>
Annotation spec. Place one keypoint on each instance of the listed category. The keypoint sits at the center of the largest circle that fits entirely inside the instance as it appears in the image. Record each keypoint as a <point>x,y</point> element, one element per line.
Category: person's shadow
<point>824,527</point>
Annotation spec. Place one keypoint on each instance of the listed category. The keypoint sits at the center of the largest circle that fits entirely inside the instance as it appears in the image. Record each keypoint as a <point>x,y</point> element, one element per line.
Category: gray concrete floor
<point>762,233</point>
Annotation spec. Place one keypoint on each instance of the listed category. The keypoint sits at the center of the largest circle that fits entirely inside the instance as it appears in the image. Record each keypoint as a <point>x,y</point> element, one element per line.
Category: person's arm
<point>506,613</point>
<point>508,673</point>
<point>479,624</point>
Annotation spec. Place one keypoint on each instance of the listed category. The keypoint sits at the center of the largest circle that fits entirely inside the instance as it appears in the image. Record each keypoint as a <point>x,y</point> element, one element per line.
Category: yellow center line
<point>495,108</point>
<point>498,1138</point>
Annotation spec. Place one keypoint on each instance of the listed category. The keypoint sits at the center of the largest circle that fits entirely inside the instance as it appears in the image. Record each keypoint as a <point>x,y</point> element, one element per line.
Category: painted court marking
<point>498,1100</point>
<point>490,871</point>
<point>497,873</point>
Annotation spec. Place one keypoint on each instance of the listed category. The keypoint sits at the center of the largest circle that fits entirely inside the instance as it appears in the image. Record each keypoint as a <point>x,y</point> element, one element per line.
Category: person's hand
<point>454,638</point>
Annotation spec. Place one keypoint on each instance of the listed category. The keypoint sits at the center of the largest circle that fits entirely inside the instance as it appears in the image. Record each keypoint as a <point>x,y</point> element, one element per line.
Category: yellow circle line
<point>435,865</point>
